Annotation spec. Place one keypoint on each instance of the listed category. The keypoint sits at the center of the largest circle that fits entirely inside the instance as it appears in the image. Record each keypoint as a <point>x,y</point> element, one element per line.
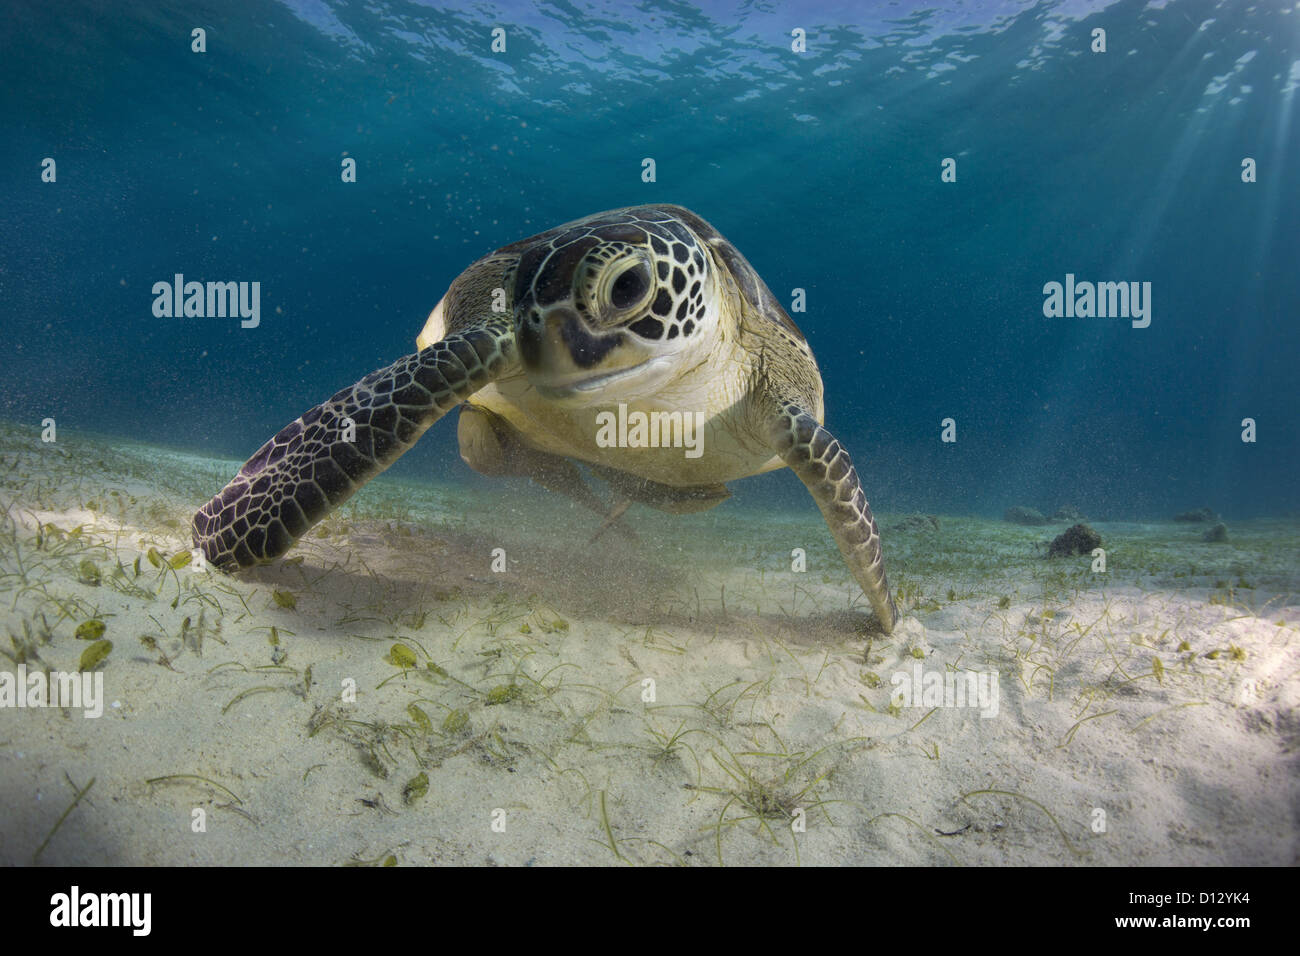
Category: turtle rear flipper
<point>317,462</point>
<point>666,498</point>
<point>825,468</point>
<point>492,446</point>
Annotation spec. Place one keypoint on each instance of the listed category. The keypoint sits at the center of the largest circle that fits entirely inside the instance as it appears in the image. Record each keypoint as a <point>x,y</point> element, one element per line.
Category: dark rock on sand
<point>1022,515</point>
<point>1204,515</point>
<point>1077,540</point>
<point>1216,534</point>
<point>916,522</point>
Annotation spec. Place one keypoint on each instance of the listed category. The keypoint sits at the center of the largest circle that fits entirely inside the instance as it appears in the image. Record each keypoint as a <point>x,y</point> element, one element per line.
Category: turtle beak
<point>566,361</point>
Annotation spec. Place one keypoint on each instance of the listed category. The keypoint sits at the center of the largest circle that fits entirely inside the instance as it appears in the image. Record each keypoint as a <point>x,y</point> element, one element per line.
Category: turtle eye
<point>630,287</point>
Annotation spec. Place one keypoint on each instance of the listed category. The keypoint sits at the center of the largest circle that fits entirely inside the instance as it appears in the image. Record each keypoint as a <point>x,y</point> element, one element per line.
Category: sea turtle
<point>560,348</point>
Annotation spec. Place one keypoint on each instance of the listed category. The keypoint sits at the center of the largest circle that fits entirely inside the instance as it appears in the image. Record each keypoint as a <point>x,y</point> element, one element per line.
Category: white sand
<point>760,682</point>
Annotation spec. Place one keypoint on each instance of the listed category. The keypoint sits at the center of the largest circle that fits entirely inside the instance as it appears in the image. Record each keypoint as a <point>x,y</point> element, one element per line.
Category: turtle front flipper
<point>824,466</point>
<point>318,461</point>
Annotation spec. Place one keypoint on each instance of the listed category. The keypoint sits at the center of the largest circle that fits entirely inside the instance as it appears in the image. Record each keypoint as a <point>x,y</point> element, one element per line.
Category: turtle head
<point>605,309</point>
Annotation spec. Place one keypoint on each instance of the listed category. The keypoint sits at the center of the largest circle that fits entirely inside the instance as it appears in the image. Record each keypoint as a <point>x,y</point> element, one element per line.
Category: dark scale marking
<point>413,394</point>
<point>312,501</point>
<point>294,519</point>
<point>586,349</point>
<point>278,540</point>
<point>623,232</point>
<point>327,476</point>
<point>672,331</point>
<point>383,418</point>
<point>679,281</point>
<point>688,327</point>
<point>365,444</point>
<point>464,351</point>
<point>529,263</point>
<point>681,310</point>
<point>657,229</point>
<point>407,432</point>
<point>259,460</point>
<point>679,232</point>
<point>662,267</point>
<point>348,459</point>
<point>570,236</point>
<point>244,556</point>
<point>385,442</point>
<point>663,303</point>
<point>485,346</point>
<point>555,280</point>
<point>680,252</point>
<point>648,328</point>
<point>844,490</point>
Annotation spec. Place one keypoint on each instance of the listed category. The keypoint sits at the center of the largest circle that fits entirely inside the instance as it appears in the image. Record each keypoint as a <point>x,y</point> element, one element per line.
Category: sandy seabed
<point>385,696</point>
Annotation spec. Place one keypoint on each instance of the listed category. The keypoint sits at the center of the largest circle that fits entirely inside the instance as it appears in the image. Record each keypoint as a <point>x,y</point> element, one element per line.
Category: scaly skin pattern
<point>311,467</point>
<point>827,471</point>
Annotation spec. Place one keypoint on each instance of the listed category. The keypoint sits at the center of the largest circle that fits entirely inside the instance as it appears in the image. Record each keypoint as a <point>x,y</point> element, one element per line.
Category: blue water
<point>925,298</point>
